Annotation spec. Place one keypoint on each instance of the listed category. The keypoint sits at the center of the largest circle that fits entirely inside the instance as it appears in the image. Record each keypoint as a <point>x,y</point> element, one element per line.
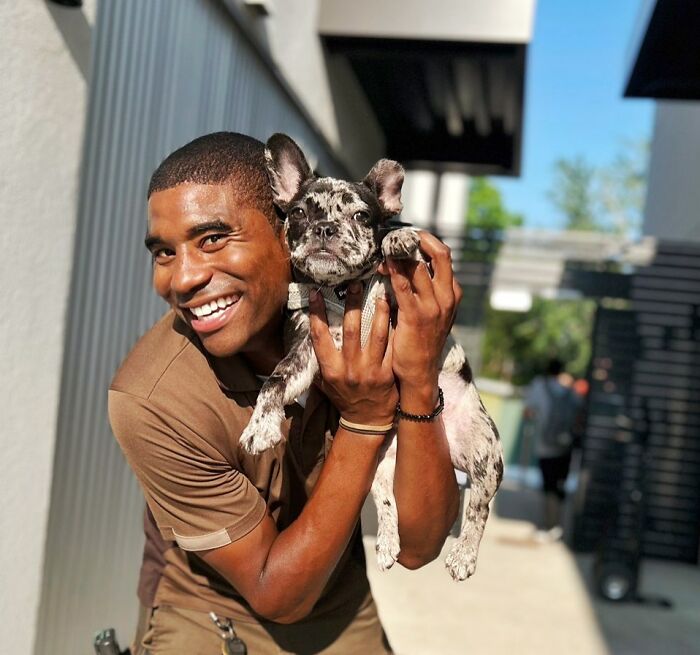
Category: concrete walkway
<point>524,598</point>
<point>530,599</point>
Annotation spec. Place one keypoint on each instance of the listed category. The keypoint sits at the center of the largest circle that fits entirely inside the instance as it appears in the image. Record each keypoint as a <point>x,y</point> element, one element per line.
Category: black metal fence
<point>640,482</point>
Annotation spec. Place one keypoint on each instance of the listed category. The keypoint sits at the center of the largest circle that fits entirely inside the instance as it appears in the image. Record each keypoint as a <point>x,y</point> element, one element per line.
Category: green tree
<point>486,210</point>
<point>622,188</point>
<point>608,198</point>
<point>574,194</point>
<point>517,346</point>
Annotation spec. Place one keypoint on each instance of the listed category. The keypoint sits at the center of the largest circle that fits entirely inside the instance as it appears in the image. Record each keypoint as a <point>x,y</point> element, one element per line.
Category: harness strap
<point>334,297</point>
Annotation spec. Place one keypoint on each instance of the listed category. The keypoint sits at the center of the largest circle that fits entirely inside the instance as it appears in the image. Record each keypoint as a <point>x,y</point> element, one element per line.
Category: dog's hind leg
<point>485,473</point>
<point>480,455</point>
<point>291,377</point>
<point>388,544</point>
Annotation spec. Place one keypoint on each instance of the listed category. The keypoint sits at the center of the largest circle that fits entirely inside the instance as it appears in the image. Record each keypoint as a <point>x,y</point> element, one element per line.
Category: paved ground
<point>530,599</point>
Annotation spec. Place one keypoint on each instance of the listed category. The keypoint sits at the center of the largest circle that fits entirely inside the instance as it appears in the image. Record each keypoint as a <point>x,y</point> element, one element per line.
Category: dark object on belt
<point>106,643</point>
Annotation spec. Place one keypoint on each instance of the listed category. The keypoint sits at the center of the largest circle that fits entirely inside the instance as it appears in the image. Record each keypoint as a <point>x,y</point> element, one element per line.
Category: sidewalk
<point>529,599</point>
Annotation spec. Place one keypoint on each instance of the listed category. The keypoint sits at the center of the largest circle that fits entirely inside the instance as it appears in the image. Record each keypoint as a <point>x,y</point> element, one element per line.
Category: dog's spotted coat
<point>334,235</point>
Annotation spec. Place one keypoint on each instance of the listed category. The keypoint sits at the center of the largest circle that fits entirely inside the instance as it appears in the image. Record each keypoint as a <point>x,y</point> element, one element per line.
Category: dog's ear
<point>385,180</point>
<point>287,168</point>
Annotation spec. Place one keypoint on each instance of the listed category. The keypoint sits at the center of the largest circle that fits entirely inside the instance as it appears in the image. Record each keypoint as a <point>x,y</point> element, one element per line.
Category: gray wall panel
<point>163,72</point>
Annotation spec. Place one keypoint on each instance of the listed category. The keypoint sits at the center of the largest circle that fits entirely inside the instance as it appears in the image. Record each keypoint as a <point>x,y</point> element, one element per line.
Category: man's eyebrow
<point>214,225</point>
<point>151,241</point>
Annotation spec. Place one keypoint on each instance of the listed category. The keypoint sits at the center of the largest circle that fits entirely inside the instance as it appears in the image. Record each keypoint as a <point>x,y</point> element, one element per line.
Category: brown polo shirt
<point>178,421</point>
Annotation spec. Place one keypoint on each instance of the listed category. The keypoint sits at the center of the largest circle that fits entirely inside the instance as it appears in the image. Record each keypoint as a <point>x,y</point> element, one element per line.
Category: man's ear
<point>287,168</point>
<point>385,180</point>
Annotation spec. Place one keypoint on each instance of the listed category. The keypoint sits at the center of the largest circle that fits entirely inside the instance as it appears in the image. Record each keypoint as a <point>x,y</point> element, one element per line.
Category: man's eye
<point>297,213</point>
<point>361,216</point>
<point>213,241</point>
<point>163,255</point>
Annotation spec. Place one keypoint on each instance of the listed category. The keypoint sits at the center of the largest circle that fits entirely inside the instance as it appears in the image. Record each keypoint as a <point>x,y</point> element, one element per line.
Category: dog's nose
<point>325,229</point>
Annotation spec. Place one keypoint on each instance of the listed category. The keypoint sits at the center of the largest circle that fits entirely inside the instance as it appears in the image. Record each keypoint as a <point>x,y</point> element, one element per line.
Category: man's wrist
<point>418,398</point>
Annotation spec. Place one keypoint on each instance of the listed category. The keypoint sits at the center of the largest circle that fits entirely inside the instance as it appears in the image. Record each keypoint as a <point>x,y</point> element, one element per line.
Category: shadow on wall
<point>76,32</point>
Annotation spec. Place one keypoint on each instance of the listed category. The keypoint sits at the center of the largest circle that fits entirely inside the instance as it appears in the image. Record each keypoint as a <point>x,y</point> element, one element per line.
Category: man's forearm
<point>425,486</point>
<point>304,555</point>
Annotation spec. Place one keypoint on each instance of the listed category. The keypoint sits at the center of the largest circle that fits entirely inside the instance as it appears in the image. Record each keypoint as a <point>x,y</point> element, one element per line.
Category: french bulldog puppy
<point>336,233</point>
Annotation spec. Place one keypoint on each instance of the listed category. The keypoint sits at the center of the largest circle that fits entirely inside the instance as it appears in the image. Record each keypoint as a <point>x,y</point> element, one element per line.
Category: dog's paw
<point>388,548</point>
<point>401,244</point>
<point>461,561</point>
<point>261,434</point>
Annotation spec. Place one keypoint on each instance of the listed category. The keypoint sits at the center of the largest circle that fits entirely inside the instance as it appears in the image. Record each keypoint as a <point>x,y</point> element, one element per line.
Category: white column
<point>418,197</point>
<point>452,204</point>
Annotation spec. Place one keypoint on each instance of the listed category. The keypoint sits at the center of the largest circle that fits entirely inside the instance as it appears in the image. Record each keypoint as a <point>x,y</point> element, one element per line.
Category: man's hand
<point>358,381</point>
<point>427,308</point>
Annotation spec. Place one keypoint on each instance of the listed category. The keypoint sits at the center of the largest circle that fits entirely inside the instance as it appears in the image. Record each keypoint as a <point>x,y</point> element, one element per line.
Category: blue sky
<point>576,68</point>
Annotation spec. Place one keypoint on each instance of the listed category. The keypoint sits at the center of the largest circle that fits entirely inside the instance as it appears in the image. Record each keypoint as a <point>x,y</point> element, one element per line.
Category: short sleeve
<point>198,499</point>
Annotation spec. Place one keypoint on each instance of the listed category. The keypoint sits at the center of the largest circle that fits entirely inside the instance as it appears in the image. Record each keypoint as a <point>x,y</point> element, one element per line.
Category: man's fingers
<point>401,284</point>
<point>352,321</point>
<point>422,283</point>
<point>320,334</point>
<point>379,334</point>
<point>458,294</point>
<point>387,362</point>
<point>440,257</point>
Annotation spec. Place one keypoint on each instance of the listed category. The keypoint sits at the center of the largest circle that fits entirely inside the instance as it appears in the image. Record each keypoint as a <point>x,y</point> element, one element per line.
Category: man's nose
<point>189,274</point>
<point>325,229</point>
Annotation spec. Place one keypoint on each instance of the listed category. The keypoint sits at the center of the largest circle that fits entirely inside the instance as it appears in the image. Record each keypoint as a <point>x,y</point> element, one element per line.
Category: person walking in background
<point>552,405</point>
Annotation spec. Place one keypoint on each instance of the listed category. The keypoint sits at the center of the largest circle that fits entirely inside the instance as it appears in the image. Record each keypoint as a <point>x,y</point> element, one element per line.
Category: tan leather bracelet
<point>362,428</point>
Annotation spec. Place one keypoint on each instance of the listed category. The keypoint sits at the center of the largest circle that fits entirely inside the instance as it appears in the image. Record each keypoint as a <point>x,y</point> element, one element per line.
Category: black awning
<point>443,104</point>
<point>666,61</point>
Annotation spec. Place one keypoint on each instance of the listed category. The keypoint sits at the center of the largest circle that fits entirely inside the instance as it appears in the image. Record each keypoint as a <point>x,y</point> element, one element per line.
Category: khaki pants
<point>174,631</point>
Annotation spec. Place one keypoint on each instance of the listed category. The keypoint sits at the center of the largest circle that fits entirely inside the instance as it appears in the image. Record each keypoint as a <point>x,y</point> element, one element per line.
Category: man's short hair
<point>220,158</point>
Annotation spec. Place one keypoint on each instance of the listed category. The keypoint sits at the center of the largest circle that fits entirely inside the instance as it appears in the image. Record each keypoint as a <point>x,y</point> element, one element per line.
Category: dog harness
<point>334,297</point>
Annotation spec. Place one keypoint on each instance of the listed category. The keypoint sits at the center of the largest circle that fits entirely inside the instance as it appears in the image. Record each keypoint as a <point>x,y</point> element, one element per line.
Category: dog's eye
<point>361,216</point>
<point>297,213</point>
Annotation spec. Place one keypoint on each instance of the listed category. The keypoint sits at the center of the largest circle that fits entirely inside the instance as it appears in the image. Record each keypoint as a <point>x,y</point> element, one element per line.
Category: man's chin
<point>220,345</point>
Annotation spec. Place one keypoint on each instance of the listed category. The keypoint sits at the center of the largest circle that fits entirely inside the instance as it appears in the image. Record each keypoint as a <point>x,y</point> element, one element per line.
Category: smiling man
<point>270,542</point>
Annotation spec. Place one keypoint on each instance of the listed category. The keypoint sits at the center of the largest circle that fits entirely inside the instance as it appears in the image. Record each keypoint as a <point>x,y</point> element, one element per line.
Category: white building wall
<point>43,101</point>
<point>672,208</point>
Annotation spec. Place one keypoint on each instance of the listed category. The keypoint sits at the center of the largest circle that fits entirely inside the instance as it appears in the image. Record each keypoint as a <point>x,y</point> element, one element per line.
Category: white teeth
<point>214,306</point>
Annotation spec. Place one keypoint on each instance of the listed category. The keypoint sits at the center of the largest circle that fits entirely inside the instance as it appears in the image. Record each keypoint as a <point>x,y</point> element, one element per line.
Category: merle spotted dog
<point>334,235</point>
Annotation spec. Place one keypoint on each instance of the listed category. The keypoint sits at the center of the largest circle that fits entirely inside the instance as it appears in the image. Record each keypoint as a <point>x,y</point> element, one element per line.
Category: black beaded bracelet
<point>423,418</point>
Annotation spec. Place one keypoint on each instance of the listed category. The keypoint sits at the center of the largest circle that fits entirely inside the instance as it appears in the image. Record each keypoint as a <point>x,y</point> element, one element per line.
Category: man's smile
<point>212,315</point>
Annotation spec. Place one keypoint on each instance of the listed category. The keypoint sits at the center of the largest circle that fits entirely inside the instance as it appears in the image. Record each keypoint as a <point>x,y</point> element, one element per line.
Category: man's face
<point>219,265</point>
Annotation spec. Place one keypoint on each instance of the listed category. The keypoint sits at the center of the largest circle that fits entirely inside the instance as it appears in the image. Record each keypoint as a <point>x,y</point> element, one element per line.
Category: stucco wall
<point>43,101</point>
<point>673,195</point>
